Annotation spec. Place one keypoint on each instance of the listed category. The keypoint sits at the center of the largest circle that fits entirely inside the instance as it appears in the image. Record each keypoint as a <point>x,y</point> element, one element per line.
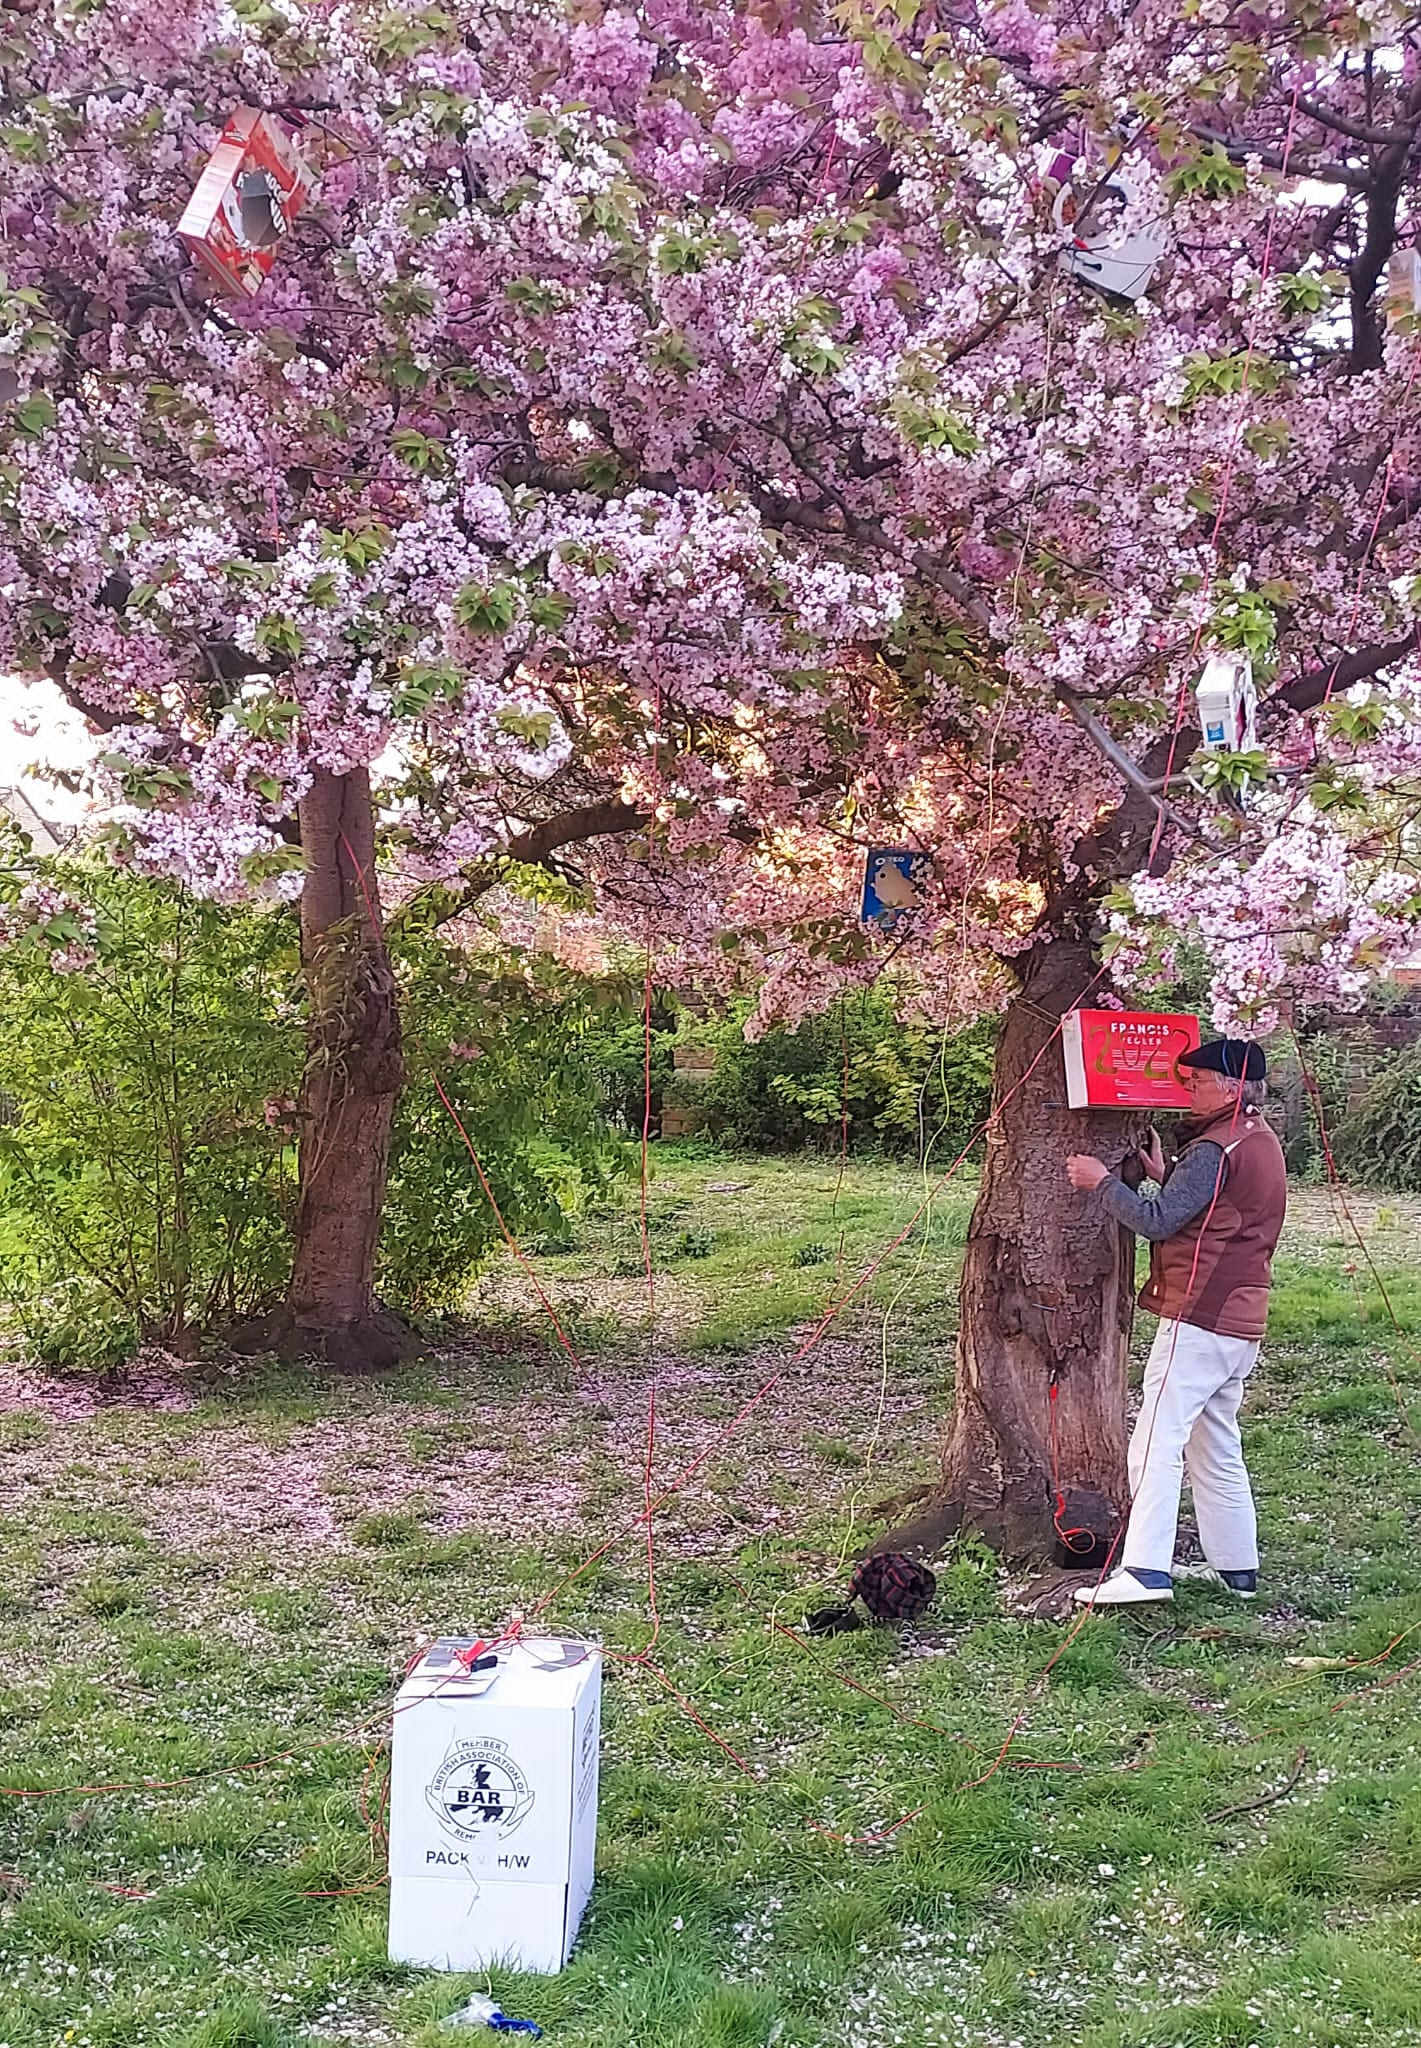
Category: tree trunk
<point>354,1073</point>
<point>1046,1303</point>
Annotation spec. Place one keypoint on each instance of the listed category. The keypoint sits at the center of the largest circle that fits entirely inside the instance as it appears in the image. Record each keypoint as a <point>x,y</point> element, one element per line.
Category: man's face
<point>1209,1092</point>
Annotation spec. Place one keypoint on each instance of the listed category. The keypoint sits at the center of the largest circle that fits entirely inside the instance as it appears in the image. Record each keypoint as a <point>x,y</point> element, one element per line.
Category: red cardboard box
<point>253,187</point>
<point>1126,1059</point>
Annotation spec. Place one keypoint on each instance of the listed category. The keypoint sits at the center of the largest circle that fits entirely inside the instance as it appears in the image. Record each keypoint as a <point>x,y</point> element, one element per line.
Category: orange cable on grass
<point>648,1469</point>
<point>810,1343</point>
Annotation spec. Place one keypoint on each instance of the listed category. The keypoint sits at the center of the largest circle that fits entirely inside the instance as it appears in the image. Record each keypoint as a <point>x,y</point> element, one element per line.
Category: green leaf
<point>491,610</point>
<point>1222,376</point>
<point>278,635</point>
<point>416,449</point>
<point>358,546</point>
<point>423,684</point>
<point>532,296</point>
<point>1245,620</point>
<point>1210,173</point>
<point>1356,723</point>
<point>36,414</point>
<point>934,427</point>
<point>1301,293</point>
<point>550,611</point>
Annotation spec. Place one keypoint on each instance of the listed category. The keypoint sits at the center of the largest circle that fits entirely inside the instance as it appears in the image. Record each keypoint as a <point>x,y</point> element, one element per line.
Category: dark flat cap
<point>1238,1058</point>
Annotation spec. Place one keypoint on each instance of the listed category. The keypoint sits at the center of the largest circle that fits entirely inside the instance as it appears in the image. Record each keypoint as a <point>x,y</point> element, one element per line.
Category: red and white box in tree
<point>1228,704</point>
<point>255,184</point>
<point>1126,1059</point>
<point>493,1805</point>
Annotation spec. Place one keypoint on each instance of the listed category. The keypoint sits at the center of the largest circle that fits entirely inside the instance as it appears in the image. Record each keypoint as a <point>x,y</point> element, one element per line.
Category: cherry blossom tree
<point>677,444</point>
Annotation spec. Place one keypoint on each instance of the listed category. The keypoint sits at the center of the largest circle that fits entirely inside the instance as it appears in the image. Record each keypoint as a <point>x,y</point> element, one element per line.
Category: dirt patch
<point>747,1446</point>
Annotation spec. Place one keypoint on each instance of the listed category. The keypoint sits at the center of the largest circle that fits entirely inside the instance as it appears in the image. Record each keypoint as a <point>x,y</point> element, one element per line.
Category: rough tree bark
<point>1047,1297</point>
<point>354,1072</point>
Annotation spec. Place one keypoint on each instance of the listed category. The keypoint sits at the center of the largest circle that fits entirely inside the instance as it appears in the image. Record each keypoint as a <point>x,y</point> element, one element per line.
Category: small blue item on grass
<point>484,2012</point>
<point>892,885</point>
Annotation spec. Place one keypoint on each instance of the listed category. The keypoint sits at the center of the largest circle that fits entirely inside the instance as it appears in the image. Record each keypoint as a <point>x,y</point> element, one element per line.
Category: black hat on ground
<point>1237,1058</point>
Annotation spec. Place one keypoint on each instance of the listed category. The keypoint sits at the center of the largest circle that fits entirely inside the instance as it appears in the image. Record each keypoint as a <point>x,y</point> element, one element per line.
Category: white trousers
<point>1189,1415</point>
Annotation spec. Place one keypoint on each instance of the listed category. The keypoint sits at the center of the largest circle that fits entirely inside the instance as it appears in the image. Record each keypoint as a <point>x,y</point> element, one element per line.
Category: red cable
<point>881,1699</point>
<point>508,1236</point>
<point>1225,492</point>
<point>1372,536</point>
<point>1384,1685</point>
<point>642,1664</point>
<point>1058,1517</point>
<point>651,1317</point>
<point>1088,1608</point>
<point>652,1504</point>
<point>814,1338</point>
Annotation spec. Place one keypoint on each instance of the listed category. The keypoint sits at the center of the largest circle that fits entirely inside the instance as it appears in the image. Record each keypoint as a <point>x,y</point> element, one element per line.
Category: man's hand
<point>1152,1158</point>
<point>1084,1172</point>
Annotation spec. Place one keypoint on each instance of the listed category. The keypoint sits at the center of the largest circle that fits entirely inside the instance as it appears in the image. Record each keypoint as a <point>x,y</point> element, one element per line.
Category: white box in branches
<point>1228,706</point>
<point>493,1805</point>
<point>1099,252</point>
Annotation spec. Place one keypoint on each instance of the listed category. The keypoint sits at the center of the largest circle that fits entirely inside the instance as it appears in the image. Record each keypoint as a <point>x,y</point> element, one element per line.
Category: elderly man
<point>1213,1228</point>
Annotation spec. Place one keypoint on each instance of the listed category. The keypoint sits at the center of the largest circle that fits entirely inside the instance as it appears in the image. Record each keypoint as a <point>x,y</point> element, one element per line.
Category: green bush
<point>1293,1110</point>
<point>904,1087</point>
<point>144,1190</point>
<point>516,1041</point>
<point>615,1056</point>
<point>147,1151</point>
<point>1379,1142</point>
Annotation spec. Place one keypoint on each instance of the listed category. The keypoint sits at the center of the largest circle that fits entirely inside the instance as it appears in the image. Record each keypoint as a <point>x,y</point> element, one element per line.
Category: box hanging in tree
<point>894,878</point>
<point>1126,1059</point>
<point>1228,704</point>
<point>493,1804</point>
<point>255,184</point>
<point>1101,252</point>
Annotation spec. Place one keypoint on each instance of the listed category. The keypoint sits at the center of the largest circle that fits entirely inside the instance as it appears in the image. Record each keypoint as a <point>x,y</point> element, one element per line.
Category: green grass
<point>186,1592</point>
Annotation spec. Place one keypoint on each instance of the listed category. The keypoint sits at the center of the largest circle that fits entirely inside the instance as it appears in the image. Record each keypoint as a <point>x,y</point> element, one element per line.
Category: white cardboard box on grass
<point>493,1806</point>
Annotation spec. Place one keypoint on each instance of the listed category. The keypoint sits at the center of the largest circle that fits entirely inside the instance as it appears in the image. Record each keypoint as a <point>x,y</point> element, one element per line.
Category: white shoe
<point>1243,1585</point>
<point>1121,1589</point>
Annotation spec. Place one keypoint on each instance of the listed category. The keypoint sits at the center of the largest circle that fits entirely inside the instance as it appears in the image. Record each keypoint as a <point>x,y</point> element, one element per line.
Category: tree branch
<point>1149,787</point>
<point>1360,131</point>
<point>1383,196</point>
<point>1315,685</point>
<point>1329,173</point>
<point>1115,754</point>
<point>534,848</point>
<point>590,821</point>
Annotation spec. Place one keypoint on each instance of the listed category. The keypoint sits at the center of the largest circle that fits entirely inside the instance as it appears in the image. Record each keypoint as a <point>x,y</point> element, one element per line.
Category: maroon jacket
<point>1216,1272</point>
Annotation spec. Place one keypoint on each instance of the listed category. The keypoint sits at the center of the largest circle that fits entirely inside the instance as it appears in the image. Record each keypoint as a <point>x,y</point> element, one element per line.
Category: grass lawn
<point>203,1569</point>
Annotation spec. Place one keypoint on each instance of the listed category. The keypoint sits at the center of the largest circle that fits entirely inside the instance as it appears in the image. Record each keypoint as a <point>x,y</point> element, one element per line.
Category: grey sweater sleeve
<point>1186,1194</point>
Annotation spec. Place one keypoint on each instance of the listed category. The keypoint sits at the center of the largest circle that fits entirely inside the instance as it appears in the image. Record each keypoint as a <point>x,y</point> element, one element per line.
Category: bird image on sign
<point>893,885</point>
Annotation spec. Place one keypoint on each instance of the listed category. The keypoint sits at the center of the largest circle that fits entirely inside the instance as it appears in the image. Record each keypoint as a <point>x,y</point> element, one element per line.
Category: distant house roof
<point>45,837</point>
